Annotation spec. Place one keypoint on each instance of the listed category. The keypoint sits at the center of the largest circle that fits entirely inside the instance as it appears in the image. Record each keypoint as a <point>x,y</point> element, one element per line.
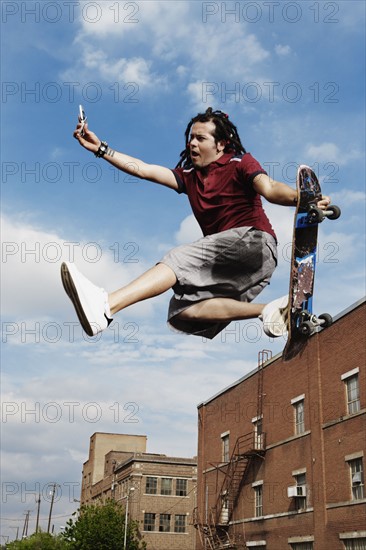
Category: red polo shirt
<point>225,198</point>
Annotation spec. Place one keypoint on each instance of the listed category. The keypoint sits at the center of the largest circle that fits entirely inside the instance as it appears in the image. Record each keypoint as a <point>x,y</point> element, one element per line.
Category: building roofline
<point>157,459</point>
<point>348,309</point>
<point>118,434</point>
<point>336,317</point>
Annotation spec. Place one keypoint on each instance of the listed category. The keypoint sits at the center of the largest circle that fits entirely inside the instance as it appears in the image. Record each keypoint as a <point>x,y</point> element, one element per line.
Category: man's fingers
<point>323,203</point>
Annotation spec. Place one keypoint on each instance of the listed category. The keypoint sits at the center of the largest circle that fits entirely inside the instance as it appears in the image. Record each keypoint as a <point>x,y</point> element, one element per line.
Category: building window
<point>355,544</point>
<point>181,488</point>
<point>301,546</point>
<point>151,485</point>
<point>225,447</point>
<point>149,522</point>
<point>299,417</point>
<point>166,486</point>
<point>258,433</point>
<point>164,523</point>
<point>357,479</point>
<point>180,523</point>
<point>300,500</point>
<point>353,394</point>
<point>258,500</point>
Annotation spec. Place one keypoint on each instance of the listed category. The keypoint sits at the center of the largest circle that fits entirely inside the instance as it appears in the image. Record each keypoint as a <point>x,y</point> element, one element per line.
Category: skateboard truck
<point>307,322</point>
<point>317,215</point>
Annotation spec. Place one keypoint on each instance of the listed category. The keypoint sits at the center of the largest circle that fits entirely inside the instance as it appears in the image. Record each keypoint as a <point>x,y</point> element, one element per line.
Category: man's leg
<point>221,309</point>
<point>94,307</point>
<point>153,282</point>
<point>274,315</point>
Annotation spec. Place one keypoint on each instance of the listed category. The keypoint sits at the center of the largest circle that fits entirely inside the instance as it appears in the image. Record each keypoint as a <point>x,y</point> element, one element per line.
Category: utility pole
<point>25,526</point>
<point>127,497</point>
<point>38,508</point>
<point>51,506</point>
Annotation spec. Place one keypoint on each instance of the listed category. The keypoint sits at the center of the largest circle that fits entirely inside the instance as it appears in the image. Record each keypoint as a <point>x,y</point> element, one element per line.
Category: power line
<point>41,519</point>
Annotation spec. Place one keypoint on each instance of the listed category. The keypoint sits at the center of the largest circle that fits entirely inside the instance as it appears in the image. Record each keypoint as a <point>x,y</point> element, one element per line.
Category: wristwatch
<point>102,149</point>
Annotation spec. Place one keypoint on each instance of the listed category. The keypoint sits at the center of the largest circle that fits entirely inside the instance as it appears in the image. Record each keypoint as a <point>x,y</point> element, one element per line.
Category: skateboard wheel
<point>326,319</point>
<point>315,214</point>
<point>306,328</point>
<point>335,212</point>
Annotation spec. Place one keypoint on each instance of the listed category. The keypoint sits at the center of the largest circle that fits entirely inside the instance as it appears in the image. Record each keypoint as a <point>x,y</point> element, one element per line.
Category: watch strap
<point>102,149</point>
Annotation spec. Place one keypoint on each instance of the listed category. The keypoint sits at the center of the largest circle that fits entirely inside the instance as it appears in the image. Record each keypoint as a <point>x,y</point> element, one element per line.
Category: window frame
<point>299,413</point>
<point>166,491</point>
<point>153,490</point>
<point>357,489</point>
<point>258,499</point>
<point>180,492</point>
<point>152,516</point>
<point>354,543</point>
<point>180,527</point>
<point>347,378</point>
<point>353,402</point>
<point>301,502</point>
<point>258,433</point>
<point>164,523</point>
<point>306,545</point>
<point>225,447</point>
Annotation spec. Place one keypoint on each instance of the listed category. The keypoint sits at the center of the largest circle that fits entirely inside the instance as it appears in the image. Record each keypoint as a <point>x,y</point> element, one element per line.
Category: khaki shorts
<point>237,263</point>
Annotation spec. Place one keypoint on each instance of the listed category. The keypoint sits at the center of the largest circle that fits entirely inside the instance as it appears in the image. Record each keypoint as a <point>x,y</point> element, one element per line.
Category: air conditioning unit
<point>357,478</point>
<point>296,491</point>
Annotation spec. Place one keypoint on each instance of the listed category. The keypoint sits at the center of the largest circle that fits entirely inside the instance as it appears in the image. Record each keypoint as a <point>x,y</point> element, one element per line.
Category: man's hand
<point>88,140</point>
<point>323,203</point>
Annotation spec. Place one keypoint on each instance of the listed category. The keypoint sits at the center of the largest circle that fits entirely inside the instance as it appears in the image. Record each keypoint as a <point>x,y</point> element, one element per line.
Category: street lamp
<point>127,497</point>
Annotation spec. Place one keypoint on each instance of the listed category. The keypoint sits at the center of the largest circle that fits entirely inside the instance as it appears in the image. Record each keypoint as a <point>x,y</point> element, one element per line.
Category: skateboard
<point>301,321</point>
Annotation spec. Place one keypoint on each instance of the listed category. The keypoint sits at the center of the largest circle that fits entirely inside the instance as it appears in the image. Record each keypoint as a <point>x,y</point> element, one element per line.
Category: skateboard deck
<point>301,320</point>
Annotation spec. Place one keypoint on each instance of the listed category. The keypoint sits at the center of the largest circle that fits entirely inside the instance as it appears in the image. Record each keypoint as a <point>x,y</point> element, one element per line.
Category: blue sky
<point>291,77</point>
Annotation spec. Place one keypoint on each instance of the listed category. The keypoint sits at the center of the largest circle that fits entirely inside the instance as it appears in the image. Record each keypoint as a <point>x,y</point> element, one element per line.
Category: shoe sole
<point>284,319</point>
<point>72,293</point>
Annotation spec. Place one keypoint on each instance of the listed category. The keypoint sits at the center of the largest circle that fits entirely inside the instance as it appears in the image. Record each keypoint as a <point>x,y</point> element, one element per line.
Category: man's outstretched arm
<point>126,163</point>
<point>280,193</point>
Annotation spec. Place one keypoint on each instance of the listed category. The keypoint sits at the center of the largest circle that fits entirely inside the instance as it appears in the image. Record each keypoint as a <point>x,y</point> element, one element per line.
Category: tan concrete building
<point>281,452</point>
<point>158,490</point>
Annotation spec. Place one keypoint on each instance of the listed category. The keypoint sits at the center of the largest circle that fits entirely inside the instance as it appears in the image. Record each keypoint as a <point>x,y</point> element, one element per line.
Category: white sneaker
<point>274,317</point>
<point>90,301</point>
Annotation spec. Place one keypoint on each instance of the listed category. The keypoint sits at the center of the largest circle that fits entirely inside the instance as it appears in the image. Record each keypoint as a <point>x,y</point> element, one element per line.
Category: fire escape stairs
<point>214,533</point>
<point>247,446</point>
<point>213,537</point>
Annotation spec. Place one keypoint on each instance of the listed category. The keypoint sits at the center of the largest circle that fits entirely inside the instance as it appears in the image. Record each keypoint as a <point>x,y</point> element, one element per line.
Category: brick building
<point>159,490</point>
<point>281,452</point>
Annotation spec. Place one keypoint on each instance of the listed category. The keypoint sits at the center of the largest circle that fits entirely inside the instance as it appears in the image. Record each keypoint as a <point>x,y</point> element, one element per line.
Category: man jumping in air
<point>215,279</point>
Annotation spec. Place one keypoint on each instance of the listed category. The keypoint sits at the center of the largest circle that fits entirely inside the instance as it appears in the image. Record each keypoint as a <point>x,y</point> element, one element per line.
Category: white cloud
<point>188,231</point>
<point>331,152</point>
<point>145,51</point>
<point>348,197</point>
<point>31,259</point>
<point>282,50</point>
<point>134,70</point>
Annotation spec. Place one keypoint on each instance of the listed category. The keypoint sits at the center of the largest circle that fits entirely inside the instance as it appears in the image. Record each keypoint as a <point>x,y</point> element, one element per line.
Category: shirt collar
<point>224,159</point>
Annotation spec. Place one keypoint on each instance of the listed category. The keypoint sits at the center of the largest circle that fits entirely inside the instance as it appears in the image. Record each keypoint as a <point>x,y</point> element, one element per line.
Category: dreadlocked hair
<point>225,130</point>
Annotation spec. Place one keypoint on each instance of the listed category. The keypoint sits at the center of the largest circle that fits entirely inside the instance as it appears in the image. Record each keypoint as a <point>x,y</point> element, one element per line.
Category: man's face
<point>202,146</point>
